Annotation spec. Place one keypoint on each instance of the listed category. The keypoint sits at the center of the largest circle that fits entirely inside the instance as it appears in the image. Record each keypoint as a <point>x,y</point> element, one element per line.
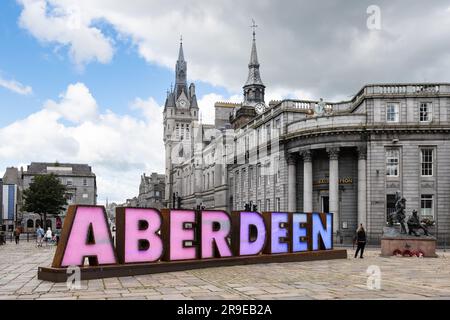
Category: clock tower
<point>254,90</point>
<point>181,115</point>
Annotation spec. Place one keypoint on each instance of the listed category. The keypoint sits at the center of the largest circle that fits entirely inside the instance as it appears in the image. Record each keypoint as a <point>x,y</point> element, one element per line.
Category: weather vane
<point>254,26</point>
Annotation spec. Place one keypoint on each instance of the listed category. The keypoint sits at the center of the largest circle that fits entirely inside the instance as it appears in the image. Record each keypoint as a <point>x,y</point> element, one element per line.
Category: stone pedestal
<point>393,241</point>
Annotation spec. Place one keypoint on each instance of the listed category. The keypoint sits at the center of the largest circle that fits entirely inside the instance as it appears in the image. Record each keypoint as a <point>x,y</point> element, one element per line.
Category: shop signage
<point>346,180</point>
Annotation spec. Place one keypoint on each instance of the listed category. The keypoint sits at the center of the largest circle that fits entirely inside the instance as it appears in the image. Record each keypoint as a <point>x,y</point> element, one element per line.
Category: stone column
<point>292,192</point>
<point>307,181</point>
<point>334,186</point>
<point>362,186</point>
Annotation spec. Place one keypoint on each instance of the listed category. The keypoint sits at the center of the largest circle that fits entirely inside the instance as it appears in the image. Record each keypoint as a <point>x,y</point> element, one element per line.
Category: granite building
<point>79,180</point>
<point>151,192</point>
<point>348,157</point>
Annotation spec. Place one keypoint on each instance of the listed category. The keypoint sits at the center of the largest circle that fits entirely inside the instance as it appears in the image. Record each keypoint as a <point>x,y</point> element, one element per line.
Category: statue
<point>320,108</point>
<point>414,225</point>
<point>399,214</point>
<point>328,109</point>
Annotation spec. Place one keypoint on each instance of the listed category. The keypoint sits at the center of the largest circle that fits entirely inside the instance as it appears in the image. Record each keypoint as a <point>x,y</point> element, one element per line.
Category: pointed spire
<point>181,53</point>
<point>253,66</point>
<point>180,72</point>
<point>254,55</point>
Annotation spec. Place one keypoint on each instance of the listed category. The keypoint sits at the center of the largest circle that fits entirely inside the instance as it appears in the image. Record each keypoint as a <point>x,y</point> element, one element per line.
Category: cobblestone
<point>401,278</point>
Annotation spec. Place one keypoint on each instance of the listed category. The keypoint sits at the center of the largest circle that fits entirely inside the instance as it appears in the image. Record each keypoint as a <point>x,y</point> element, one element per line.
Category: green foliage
<point>45,196</point>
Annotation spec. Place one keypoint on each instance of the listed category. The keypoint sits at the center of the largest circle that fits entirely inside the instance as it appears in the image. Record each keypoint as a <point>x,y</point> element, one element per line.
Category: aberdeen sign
<point>153,241</point>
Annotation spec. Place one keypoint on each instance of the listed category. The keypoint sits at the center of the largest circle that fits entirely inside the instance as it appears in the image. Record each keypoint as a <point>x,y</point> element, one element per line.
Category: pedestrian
<point>48,235</point>
<point>57,235</point>
<point>17,234</point>
<point>360,239</point>
<point>39,235</point>
<point>2,236</point>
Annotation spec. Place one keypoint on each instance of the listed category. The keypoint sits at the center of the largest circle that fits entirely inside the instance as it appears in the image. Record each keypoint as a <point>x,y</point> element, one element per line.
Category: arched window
<point>30,223</point>
<point>38,223</point>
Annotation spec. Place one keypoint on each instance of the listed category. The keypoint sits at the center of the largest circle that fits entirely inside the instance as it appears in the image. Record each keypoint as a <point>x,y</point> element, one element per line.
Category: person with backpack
<point>360,240</point>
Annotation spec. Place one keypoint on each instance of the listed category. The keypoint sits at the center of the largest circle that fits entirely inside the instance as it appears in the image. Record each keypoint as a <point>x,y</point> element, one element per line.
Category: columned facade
<point>334,186</point>
<point>307,181</point>
<point>353,156</point>
<point>362,186</point>
<point>292,192</point>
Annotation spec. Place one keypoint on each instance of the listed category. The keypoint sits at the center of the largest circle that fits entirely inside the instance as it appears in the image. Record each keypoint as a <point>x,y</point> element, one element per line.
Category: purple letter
<point>277,232</point>
<point>248,247</point>
<point>298,232</point>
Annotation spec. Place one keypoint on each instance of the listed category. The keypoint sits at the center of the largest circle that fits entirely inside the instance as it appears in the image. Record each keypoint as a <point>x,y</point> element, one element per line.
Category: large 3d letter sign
<point>150,241</point>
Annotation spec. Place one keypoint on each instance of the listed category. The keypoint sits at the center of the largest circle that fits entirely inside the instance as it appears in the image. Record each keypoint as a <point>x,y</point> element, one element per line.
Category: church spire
<point>180,72</point>
<point>254,87</point>
<point>180,52</point>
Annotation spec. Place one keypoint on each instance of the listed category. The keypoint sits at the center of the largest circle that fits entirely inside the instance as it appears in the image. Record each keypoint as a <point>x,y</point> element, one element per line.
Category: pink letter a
<point>85,234</point>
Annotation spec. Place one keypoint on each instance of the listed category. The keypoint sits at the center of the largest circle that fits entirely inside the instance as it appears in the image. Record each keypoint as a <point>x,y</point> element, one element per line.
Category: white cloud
<point>65,23</point>
<point>76,105</point>
<point>206,105</point>
<point>149,108</point>
<point>322,48</point>
<point>119,148</point>
<point>15,86</point>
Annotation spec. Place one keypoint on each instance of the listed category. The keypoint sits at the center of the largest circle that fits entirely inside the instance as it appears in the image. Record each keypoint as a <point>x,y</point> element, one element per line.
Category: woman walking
<point>360,239</point>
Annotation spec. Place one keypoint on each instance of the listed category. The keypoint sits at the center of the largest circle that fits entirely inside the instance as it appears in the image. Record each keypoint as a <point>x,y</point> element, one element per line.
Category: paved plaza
<point>401,278</point>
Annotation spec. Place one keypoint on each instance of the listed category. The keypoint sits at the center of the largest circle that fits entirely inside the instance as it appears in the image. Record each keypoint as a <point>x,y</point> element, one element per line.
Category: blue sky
<point>84,81</point>
<point>48,70</point>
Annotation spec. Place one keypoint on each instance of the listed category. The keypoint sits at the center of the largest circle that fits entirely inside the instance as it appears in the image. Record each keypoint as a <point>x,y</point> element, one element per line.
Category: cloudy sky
<point>83,81</point>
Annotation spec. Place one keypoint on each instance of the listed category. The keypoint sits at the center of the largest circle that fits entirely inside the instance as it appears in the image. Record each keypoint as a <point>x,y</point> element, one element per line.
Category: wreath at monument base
<point>408,253</point>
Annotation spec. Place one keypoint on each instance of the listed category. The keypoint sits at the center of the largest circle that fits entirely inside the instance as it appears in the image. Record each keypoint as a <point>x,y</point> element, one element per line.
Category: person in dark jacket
<point>17,234</point>
<point>360,239</point>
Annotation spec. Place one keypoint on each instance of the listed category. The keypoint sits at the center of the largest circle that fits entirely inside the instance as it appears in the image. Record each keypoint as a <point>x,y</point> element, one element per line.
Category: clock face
<point>260,108</point>
<point>182,103</point>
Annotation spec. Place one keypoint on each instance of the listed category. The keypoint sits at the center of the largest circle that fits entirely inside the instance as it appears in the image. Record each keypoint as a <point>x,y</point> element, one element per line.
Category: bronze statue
<point>399,214</point>
<point>414,225</point>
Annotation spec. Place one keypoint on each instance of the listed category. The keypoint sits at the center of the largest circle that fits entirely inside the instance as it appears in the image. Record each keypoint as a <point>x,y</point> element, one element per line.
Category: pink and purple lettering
<point>298,232</point>
<point>134,235</point>
<point>248,247</point>
<point>178,235</point>
<point>211,236</point>
<point>278,232</point>
<point>77,245</point>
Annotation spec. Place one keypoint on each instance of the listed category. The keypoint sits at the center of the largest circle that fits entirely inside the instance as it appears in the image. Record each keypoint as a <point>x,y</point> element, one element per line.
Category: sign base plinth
<point>126,270</point>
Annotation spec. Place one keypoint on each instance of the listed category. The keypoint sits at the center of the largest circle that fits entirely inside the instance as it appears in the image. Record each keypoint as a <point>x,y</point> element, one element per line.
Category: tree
<point>45,196</point>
